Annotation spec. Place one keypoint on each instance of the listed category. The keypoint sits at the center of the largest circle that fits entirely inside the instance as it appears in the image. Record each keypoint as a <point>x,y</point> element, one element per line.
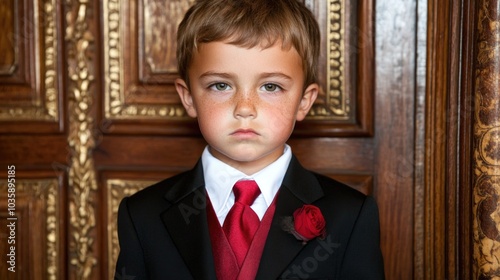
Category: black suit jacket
<point>163,231</point>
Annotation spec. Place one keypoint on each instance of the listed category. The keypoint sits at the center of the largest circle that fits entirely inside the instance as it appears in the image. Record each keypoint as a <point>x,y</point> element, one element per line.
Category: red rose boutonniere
<point>307,223</point>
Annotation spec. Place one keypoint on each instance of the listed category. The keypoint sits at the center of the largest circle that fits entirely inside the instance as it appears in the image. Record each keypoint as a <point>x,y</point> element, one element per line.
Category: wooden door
<point>89,114</point>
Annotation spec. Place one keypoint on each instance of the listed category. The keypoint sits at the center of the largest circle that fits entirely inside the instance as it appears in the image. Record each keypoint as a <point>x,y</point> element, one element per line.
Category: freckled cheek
<point>211,119</point>
<point>279,121</point>
<point>211,109</point>
<point>214,115</point>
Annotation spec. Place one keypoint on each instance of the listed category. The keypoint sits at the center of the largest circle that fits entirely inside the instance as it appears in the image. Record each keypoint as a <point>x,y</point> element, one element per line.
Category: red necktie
<point>241,222</point>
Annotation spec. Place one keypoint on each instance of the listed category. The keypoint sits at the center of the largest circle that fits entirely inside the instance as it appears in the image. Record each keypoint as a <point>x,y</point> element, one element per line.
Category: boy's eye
<point>271,87</point>
<point>220,86</point>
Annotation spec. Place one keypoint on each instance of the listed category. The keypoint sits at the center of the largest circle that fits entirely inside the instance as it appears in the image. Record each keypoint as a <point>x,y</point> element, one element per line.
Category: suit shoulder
<point>156,191</point>
<point>343,198</point>
<point>333,187</point>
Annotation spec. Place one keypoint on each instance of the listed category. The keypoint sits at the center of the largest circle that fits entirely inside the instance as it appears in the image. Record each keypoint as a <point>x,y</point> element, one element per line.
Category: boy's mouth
<point>244,133</point>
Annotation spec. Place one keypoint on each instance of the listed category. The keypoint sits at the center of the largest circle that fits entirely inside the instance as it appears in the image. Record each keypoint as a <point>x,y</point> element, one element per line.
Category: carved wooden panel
<point>140,68</point>
<point>30,87</point>
<point>115,186</point>
<point>345,103</point>
<point>139,58</point>
<point>36,223</point>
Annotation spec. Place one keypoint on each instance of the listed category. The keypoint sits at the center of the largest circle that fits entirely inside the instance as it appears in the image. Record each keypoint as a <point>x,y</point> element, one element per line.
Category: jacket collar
<point>191,181</point>
<point>302,183</point>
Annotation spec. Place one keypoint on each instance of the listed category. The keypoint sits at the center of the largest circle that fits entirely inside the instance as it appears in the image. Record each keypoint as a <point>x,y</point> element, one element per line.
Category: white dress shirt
<point>220,179</point>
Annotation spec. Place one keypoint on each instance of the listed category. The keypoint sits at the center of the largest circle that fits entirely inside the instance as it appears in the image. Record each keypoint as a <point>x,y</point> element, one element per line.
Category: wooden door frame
<point>445,143</point>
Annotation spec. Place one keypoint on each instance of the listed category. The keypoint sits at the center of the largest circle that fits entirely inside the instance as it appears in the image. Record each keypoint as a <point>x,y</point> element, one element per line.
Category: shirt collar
<point>220,178</point>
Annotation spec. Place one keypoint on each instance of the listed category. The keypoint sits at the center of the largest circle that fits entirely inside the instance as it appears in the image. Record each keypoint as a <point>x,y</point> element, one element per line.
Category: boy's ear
<point>186,97</point>
<point>308,98</point>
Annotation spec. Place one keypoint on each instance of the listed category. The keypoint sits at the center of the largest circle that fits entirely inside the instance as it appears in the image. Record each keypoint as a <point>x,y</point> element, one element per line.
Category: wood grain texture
<point>394,135</point>
<point>159,23</point>
<point>8,60</point>
<point>36,151</point>
<point>443,141</point>
<point>463,166</point>
<point>448,140</point>
<point>432,201</point>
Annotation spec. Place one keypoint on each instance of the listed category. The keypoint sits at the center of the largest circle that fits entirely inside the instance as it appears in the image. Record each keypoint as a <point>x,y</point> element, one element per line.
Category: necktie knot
<point>245,192</point>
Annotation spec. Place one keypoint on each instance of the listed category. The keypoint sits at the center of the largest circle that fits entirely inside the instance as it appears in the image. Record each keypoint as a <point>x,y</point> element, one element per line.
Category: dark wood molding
<point>448,144</point>
<point>459,150</point>
<point>463,169</point>
<point>436,100</point>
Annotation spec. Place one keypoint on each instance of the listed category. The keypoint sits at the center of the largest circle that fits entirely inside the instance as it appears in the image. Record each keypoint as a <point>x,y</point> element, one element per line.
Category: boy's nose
<point>245,106</point>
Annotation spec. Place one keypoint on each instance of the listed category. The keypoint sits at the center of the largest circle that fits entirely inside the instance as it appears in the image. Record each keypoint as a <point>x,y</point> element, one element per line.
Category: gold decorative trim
<point>336,105</point>
<point>116,190</point>
<point>49,109</point>
<point>113,93</point>
<point>51,77</point>
<point>44,190</point>
<point>82,177</point>
<point>486,160</point>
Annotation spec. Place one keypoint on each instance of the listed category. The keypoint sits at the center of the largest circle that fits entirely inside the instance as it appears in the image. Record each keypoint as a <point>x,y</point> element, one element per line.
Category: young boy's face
<point>246,101</point>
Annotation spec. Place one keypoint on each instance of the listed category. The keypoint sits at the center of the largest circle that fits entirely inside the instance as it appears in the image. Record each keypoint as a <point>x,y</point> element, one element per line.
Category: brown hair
<point>250,23</point>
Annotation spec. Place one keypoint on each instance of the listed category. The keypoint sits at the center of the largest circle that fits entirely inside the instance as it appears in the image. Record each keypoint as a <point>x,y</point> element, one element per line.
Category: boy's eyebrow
<point>228,75</point>
<point>276,75</point>
<point>216,74</point>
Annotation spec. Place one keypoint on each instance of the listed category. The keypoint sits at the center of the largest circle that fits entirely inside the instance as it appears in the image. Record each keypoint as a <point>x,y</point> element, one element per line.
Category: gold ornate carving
<point>45,192</point>
<point>82,181</point>
<point>50,46</point>
<point>486,192</point>
<point>46,109</point>
<point>116,190</point>
<point>334,104</point>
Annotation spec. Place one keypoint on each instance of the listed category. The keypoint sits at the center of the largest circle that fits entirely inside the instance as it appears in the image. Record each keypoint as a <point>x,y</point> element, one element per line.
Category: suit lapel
<point>186,222</point>
<point>299,187</point>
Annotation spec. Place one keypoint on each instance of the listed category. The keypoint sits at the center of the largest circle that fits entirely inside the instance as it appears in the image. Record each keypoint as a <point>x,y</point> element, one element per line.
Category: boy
<point>248,209</point>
